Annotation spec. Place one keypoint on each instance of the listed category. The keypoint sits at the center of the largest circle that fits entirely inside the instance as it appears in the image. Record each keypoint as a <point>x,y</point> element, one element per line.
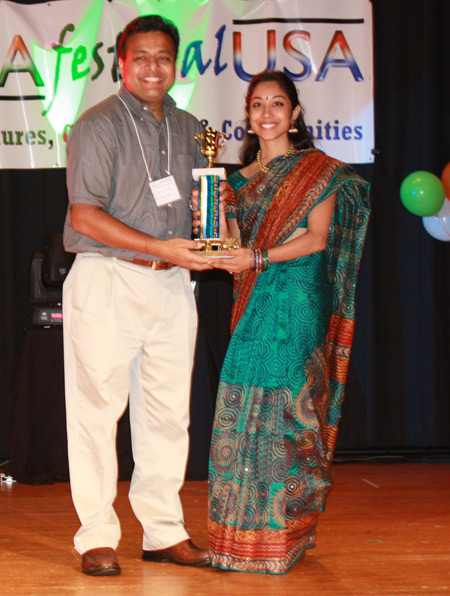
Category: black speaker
<point>48,271</point>
<point>57,261</point>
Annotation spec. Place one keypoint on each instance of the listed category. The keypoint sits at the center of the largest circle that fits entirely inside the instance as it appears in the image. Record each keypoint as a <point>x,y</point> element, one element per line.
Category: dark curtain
<point>399,382</point>
<point>410,335</point>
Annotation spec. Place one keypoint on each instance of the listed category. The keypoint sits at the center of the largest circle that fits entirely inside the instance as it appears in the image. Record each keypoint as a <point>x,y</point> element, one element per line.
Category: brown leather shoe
<point>183,553</point>
<point>100,561</point>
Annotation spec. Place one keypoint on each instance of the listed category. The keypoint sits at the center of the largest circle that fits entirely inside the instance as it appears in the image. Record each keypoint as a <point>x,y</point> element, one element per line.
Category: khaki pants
<point>129,334</point>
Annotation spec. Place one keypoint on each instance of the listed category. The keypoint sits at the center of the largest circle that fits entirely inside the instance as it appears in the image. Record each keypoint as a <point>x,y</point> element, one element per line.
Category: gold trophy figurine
<point>211,142</point>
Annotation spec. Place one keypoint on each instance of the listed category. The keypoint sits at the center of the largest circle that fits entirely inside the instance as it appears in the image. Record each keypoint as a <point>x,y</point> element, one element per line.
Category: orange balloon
<point>445,179</point>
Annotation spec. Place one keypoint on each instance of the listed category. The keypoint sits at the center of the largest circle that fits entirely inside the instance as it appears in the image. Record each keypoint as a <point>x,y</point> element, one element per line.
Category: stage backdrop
<point>398,394</point>
<point>58,59</point>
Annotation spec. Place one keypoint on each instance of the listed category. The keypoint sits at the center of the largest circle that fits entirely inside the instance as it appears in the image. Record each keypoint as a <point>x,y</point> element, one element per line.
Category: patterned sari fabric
<point>281,386</point>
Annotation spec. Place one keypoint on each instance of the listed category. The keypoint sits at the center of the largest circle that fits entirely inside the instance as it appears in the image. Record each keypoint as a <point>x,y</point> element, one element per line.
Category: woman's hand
<point>241,260</point>
<point>225,193</point>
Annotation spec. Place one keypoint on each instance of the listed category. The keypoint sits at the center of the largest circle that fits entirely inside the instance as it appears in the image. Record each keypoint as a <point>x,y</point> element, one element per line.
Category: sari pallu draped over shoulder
<point>272,446</point>
<point>312,179</point>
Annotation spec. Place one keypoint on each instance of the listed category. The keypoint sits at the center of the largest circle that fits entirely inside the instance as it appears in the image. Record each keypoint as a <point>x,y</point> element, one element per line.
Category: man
<point>129,313</point>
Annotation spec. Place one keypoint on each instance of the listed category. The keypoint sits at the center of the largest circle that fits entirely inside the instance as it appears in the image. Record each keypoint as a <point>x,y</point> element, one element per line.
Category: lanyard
<point>150,179</point>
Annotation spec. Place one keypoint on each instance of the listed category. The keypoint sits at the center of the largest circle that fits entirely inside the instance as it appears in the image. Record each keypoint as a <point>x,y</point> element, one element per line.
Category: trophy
<point>211,142</point>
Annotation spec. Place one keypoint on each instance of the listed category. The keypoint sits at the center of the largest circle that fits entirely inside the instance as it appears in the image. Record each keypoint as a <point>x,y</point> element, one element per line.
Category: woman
<point>302,218</point>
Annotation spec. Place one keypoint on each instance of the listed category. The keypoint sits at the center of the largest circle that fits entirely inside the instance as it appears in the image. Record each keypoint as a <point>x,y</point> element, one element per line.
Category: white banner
<point>57,59</point>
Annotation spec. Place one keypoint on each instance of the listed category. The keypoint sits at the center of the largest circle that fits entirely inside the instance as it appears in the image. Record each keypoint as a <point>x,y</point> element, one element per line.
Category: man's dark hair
<point>151,22</point>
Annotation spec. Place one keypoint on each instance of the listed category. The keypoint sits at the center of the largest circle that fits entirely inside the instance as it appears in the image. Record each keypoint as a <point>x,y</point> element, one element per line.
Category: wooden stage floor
<point>386,532</point>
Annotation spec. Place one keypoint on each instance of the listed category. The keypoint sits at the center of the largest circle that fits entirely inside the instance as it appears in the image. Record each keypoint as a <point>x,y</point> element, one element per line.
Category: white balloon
<point>438,225</point>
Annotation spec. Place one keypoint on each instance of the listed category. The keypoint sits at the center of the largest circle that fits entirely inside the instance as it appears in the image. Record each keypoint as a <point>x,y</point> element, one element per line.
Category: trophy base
<point>212,248</point>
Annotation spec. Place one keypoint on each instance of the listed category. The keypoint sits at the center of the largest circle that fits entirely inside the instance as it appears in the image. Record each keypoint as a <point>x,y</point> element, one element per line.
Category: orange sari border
<point>271,551</point>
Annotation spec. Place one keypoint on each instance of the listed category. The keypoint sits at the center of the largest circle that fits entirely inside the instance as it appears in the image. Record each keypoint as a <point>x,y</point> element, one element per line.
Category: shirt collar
<point>139,108</point>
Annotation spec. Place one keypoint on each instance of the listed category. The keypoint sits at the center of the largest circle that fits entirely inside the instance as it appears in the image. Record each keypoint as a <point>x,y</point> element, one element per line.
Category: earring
<point>250,131</point>
<point>293,128</point>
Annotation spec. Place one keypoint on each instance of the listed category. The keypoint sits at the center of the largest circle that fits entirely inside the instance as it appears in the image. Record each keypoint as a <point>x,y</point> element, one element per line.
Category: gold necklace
<point>265,169</point>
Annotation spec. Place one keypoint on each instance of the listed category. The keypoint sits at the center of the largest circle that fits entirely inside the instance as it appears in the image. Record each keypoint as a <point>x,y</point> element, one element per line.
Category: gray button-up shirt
<point>106,168</point>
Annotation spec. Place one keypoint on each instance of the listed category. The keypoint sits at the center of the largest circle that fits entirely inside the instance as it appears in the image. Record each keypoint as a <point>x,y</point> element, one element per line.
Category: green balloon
<point>422,193</point>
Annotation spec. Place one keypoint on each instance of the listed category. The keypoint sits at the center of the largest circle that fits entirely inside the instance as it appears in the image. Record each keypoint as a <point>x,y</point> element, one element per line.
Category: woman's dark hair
<point>301,139</point>
<point>152,22</point>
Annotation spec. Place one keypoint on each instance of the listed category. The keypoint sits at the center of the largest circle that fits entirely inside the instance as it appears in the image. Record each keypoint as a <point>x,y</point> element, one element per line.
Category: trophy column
<point>208,205</point>
<point>211,142</point>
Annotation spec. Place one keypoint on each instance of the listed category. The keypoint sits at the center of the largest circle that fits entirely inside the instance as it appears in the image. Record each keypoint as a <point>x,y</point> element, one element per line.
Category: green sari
<point>282,382</point>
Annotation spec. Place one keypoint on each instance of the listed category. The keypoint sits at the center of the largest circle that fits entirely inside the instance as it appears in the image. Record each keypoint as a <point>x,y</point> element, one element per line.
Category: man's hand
<point>182,252</point>
<point>195,211</point>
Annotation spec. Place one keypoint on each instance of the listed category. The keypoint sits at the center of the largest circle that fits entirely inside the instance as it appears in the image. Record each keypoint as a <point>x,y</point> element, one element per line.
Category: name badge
<point>165,190</point>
